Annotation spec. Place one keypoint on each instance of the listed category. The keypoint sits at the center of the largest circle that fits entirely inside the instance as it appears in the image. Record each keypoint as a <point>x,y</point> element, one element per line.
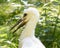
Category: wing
<point>31,43</point>
<point>28,43</point>
<point>38,43</point>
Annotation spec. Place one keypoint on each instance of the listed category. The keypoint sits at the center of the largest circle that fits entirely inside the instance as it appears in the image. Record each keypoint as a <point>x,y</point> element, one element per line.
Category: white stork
<point>27,38</point>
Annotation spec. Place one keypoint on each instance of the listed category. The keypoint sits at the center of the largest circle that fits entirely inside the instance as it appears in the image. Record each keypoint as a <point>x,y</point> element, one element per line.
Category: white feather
<point>27,38</point>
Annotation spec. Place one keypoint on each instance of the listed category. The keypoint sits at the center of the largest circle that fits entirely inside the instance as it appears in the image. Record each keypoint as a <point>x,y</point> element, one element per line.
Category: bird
<point>29,20</point>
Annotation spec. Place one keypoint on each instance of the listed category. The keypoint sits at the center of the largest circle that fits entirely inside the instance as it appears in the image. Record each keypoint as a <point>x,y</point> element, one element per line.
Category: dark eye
<point>25,14</point>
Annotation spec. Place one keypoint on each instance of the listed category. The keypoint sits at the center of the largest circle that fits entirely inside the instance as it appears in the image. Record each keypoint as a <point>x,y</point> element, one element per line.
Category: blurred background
<point>47,29</point>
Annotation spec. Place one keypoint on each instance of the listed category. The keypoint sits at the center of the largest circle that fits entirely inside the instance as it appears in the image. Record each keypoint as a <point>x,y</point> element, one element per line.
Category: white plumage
<point>27,38</point>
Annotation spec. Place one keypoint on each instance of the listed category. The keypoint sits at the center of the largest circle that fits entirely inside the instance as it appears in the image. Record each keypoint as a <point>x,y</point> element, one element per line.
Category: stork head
<point>28,14</point>
<point>31,12</point>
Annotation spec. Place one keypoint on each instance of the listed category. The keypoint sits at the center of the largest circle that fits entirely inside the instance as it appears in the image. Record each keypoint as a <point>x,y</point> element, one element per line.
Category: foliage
<point>47,30</point>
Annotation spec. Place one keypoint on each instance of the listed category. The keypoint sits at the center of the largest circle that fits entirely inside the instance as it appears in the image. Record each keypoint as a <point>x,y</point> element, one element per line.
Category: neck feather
<point>29,30</point>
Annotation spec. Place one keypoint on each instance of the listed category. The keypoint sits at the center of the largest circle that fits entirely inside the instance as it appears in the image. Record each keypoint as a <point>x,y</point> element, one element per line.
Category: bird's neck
<point>29,30</point>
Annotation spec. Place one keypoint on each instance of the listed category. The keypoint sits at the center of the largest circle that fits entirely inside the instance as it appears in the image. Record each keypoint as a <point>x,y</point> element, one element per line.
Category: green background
<point>47,29</point>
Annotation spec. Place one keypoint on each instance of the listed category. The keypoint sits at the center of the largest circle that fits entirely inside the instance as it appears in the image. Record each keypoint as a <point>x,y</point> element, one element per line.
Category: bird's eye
<point>25,14</point>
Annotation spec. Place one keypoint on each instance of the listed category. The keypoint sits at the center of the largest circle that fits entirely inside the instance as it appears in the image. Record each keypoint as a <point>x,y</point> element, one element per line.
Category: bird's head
<point>31,12</point>
<point>28,14</point>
